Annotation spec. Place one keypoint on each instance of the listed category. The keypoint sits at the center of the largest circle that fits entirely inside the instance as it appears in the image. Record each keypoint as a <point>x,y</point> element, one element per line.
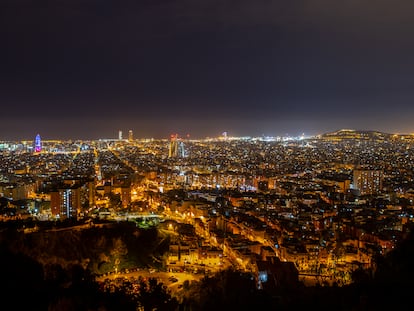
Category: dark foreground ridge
<point>30,281</point>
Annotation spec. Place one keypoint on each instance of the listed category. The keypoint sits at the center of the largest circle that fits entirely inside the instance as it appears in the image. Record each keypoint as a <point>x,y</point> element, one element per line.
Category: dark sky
<point>88,68</point>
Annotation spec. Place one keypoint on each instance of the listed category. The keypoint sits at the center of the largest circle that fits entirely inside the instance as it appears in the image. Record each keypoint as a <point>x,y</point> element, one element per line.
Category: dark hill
<point>37,266</point>
<point>95,249</point>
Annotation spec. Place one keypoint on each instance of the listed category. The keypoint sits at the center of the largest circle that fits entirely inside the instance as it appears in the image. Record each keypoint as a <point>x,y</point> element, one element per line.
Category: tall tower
<point>173,148</point>
<point>130,135</point>
<point>181,150</point>
<point>37,144</point>
<point>176,148</point>
<point>120,135</point>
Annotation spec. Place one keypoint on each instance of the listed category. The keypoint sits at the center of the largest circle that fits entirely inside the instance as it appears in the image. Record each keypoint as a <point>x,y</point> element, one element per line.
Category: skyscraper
<point>176,148</point>
<point>130,135</point>
<point>37,144</point>
<point>120,135</point>
<point>181,149</point>
<point>173,148</point>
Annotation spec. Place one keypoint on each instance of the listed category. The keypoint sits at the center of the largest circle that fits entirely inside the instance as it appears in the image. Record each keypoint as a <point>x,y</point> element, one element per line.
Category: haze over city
<point>85,69</point>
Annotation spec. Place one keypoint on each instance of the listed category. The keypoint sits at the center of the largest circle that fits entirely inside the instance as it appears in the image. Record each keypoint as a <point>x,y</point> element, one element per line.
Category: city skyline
<point>224,136</point>
<point>85,69</point>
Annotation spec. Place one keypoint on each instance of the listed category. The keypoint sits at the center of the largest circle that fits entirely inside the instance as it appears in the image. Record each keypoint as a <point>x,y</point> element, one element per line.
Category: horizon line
<point>222,136</point>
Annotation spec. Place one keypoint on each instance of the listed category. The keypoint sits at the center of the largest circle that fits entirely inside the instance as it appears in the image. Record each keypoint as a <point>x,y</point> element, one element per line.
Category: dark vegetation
<point>56,271</point>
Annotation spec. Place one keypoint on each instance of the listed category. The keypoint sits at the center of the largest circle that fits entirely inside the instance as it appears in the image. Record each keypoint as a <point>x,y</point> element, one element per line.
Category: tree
<point>118,251</point>
<point>115,199</point>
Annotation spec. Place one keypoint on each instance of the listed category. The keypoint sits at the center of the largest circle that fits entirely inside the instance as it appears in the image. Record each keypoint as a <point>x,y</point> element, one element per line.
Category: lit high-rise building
<point>119,134</point>
<point>65,202</point>
<point>176,148</point>
<point>38,144</point>
<point>181,149</point>
<point>130,135</point>
<point>367,181</point>
<point>173,148</point>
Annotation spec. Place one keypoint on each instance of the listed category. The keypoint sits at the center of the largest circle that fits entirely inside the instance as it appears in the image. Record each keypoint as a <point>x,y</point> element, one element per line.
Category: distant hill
<point>344,134</point>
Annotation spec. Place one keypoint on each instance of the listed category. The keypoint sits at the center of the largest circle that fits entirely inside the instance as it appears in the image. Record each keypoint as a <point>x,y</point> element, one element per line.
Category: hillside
<point>96,249</point>
<point>54,271</point>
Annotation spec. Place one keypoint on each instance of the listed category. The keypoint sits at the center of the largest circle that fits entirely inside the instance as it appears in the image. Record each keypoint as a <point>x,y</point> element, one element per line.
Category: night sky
<point>84,69</point>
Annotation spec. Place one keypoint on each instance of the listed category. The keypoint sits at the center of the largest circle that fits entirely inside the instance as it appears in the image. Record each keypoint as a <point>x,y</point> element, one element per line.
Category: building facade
<point>38,144</point>
<point>368,181</point>
<point>65,202</point>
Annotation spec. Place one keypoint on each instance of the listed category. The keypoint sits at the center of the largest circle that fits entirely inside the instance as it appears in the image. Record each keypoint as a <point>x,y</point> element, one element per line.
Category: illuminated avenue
<point>316,207</point>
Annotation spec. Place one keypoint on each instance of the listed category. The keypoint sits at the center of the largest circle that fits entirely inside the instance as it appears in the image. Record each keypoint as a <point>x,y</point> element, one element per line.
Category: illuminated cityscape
<point>206,155</point>
<point>286,210</point>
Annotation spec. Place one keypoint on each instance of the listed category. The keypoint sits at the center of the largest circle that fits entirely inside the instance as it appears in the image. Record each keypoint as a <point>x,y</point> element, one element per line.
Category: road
<point>162,277</point>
